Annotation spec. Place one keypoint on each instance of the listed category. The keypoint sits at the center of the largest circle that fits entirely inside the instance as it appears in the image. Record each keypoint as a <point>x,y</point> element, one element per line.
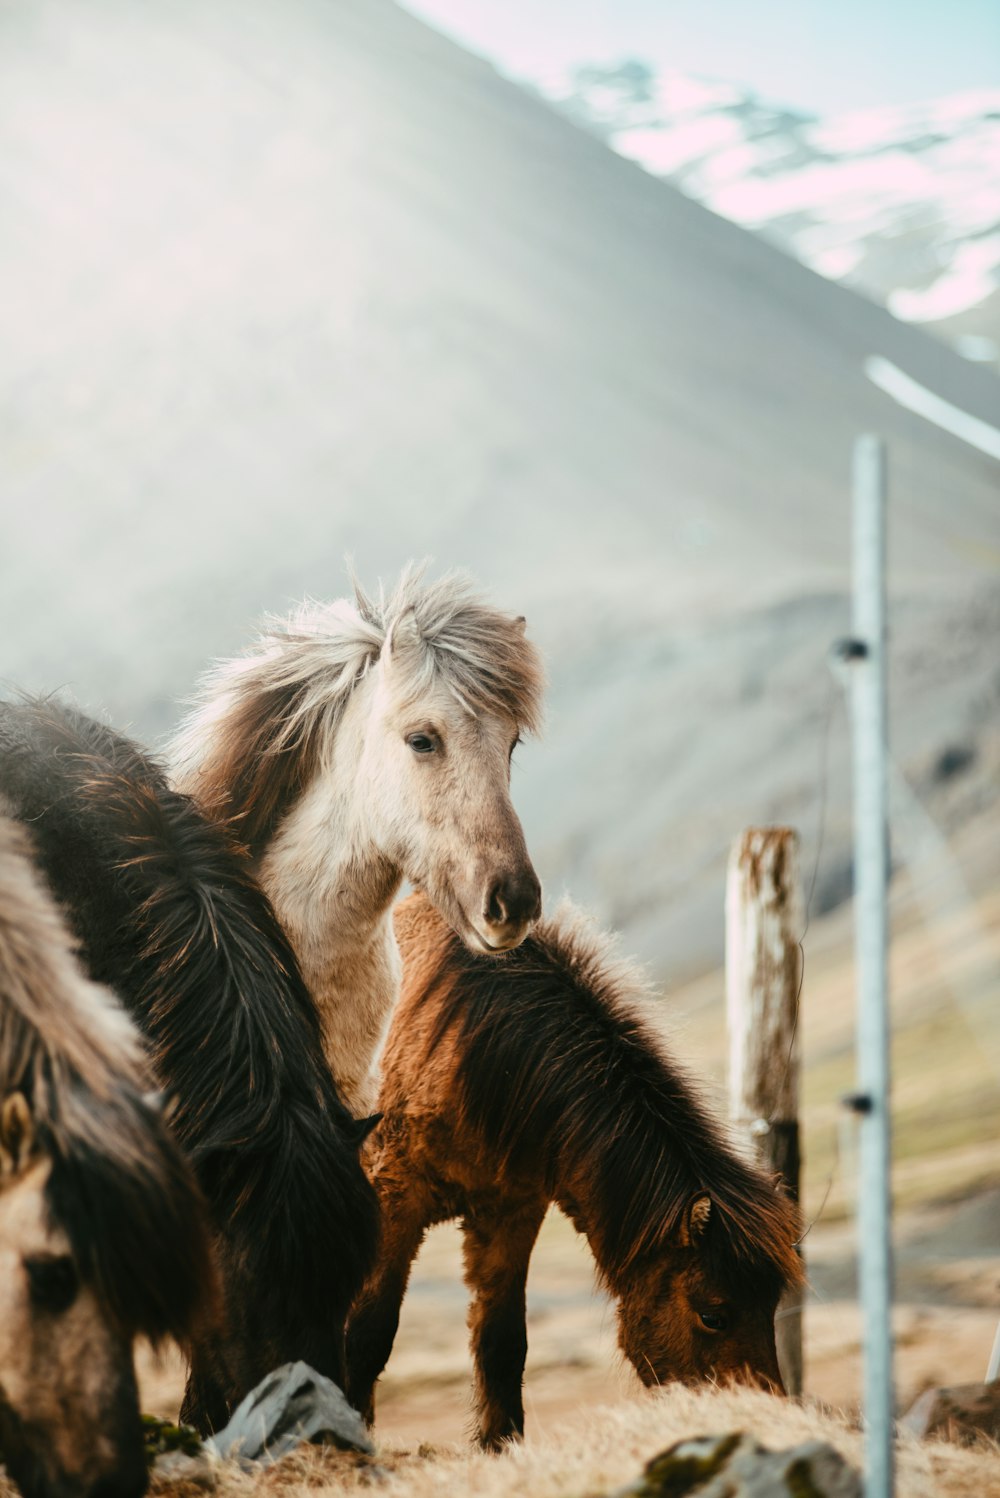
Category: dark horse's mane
<point>167,911</point>
<point>557,1057</point>
<point>117,1184</point>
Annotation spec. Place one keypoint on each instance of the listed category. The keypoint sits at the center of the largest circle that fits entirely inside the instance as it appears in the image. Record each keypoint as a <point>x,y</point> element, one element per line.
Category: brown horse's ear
<point>17,1135</point>
<point>520,624</point>
<point>695,1220</point>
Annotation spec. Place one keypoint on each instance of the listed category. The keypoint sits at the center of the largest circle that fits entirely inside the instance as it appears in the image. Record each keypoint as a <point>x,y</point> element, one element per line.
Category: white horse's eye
<point>53,1281</point>
<point>422,743</point>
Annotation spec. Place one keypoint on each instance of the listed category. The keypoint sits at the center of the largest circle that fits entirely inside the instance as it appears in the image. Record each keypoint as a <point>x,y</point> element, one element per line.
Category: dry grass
<point>600,1449</point>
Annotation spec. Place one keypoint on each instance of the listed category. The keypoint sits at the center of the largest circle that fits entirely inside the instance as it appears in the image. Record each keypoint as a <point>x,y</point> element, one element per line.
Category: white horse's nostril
<point>496,908</point>
<point>513,900</point>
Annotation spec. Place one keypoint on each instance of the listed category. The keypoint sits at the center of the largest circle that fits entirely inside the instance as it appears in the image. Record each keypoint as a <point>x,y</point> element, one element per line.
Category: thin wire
<point>826,1194</point>
<point>834,696</point>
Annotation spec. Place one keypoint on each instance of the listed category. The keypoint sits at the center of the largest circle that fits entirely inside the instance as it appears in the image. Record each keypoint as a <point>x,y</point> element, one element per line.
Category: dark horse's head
<point>702,1307</point>
<point>100,1239</point>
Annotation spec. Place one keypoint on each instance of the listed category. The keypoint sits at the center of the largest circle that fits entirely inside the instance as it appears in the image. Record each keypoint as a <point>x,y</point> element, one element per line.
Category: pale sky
<point>822,56</point>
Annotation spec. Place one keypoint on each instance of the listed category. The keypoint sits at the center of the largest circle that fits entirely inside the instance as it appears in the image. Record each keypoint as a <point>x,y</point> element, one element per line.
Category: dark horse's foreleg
<point>407,1212</point>
<point>497,1247</point>
<point>205,1404</point>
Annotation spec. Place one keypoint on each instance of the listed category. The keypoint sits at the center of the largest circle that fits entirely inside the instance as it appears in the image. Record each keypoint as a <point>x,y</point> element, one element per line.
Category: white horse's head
<point>434,772</point>
<point>377,735</point>
<point>69,1413</point>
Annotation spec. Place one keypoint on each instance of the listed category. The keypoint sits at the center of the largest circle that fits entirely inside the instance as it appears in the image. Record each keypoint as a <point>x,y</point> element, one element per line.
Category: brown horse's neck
<point>574,1196</point>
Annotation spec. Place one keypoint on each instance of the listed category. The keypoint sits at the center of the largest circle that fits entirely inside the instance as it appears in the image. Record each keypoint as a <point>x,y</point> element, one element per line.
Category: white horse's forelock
<point>310,662</point>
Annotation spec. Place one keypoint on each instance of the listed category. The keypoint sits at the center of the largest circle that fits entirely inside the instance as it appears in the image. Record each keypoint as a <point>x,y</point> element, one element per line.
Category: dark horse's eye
<point>53,1281</point>
<point>714,1321</point>
<point>422,743</point>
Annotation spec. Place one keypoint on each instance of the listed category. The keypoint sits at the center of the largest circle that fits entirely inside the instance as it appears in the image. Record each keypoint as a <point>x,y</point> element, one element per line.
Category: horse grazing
<point>358,745</point>
<point>103,1232</point>
<point>168,913</point>
<point>513,1082</point>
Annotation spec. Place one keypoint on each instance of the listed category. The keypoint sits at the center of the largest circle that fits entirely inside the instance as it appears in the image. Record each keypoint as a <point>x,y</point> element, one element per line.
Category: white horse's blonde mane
<point>263,721</point>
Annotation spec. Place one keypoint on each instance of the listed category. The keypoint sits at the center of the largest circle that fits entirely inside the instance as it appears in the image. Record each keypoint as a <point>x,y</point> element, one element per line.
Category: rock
<point>292,1405</point>
<point>961,1412</point>
<point>175,1453</point>
<point>200,1470</point>
<point>737,1466</point>
<point>161,1437</point>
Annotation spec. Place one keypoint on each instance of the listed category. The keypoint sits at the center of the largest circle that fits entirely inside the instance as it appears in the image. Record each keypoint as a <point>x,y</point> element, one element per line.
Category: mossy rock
<point>160,1437</point>
<point>682,1470</point>
<point>734,1465</point>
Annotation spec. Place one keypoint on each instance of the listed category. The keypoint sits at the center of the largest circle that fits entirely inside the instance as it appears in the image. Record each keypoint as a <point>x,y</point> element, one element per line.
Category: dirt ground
<point>945,1322</point>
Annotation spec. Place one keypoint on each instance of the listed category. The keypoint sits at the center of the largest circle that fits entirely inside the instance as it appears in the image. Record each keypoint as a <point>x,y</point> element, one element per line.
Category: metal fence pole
<point>871,857</point>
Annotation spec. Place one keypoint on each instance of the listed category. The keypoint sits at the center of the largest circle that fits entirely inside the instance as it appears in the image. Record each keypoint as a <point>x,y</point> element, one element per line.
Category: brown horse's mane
<point>262,724</point>
<point>558,1056</point>
<point>118,1184</point>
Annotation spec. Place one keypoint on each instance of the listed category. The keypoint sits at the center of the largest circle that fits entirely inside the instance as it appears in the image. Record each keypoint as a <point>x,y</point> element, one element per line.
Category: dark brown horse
<point>167,913</point>
<point>513,1082</point>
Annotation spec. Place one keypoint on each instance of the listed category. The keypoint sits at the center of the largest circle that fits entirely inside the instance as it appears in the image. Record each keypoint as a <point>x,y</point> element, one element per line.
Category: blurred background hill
<point>288,281</point>
<point>285,283</point>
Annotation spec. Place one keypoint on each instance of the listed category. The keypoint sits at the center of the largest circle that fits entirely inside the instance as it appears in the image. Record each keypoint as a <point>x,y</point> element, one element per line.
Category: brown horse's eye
<point>714,1321</point>
<point>422,743</point>
<point>52,1282</point>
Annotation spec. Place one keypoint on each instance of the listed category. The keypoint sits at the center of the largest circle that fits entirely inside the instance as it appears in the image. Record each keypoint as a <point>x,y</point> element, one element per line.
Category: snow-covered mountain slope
<point>901,203</point>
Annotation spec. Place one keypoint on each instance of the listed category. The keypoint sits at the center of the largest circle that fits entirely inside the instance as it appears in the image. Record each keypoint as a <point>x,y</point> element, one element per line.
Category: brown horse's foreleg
<point>497,1249</point>
<point>407,1213</point>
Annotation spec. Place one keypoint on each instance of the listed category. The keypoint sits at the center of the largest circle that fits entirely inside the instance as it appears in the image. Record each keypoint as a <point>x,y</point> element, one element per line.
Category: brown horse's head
<point>69,1410</point>
<point>691,1312</point>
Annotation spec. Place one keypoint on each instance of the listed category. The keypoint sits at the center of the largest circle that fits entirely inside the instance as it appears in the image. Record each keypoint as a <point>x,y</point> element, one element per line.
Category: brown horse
<point>103,1232</point>
<point>512,1082</point>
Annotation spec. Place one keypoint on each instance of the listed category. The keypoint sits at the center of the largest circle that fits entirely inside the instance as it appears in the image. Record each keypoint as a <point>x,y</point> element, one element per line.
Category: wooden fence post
<point>763,931</point>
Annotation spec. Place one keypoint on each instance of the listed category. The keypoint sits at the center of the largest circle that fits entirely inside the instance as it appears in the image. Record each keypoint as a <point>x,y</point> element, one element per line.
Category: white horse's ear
<point>520,624</point>
<point>403,637</point>
<point>695,1220</point>
<point>17,1135</point>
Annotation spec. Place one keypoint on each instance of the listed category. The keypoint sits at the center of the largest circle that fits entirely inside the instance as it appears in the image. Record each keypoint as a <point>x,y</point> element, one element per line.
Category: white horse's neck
<point>399,721</point>
<point>332,891</point>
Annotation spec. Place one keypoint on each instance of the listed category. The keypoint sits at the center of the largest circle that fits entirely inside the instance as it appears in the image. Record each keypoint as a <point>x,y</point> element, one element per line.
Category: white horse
<point>361,744</point>
<point>103,1232</point>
